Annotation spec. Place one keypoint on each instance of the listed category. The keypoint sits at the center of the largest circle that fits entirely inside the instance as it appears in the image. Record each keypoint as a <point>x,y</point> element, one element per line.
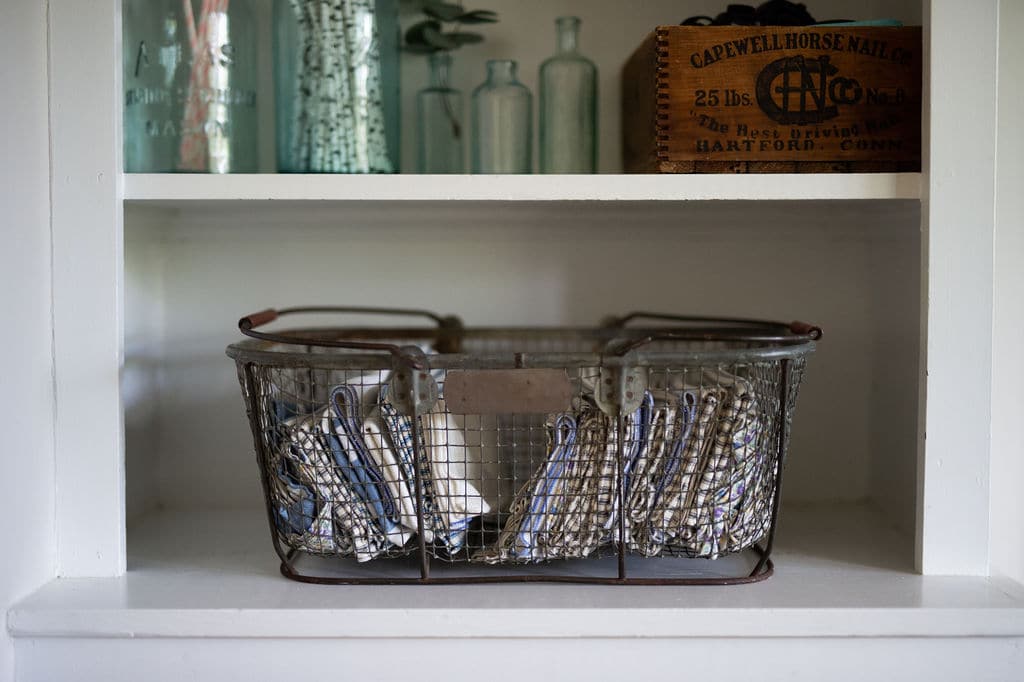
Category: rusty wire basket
<point>443,454</point>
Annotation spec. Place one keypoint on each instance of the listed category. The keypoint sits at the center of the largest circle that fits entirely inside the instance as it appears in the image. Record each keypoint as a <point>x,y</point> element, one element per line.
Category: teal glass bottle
<point>502,122</point>
<point>439,124</point>
<point>336,86</point>
<point>568,106</point>
<point>190,86</point>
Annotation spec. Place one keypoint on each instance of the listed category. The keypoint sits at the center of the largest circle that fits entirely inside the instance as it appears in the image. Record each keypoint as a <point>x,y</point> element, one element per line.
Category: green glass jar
<point>336,83</point>
<point>502,122</point>
<point>439,121</point>
<point>190,86</point>
<point>568,106</point>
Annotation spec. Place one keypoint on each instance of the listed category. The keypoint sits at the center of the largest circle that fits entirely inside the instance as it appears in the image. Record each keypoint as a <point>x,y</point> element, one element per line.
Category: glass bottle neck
<point>568,31</point>
<point>440,70</point>
<point>501,72</point>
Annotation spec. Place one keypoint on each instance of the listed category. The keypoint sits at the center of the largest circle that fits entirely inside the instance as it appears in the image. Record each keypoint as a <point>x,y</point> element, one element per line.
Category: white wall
<point>1007,550</point>
<point>26,401</point>
<point>519,264</point>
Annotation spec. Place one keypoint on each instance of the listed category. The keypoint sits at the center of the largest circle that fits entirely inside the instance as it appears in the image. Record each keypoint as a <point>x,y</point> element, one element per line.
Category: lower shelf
<point>840,572</point>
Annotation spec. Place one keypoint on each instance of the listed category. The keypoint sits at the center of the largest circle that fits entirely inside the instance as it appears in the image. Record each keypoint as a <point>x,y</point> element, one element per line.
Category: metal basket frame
<point>617,348</point>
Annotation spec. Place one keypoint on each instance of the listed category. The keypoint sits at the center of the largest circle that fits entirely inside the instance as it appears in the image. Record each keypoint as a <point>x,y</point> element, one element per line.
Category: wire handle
<point>616,322</point>
<point>450,328</point>
<point>793,332</point>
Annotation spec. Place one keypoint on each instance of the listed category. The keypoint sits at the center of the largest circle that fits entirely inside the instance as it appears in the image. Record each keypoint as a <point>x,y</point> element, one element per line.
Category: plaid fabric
<point>342,426</point>
<point>354,533</point>
<point>399,431</point>
<point>676,500</point>
<point>388,463</point>
<point>648,480</point>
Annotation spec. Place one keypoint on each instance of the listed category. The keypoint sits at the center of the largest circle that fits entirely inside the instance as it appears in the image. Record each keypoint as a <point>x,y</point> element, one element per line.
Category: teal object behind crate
<point>568,106</point>
<point>190,87</point>
<point>336,86</point>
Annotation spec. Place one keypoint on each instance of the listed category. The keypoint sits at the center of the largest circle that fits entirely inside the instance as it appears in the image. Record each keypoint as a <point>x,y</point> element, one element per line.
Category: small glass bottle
<point>568,106</point>
<point>190,86</point>
<point>336,86</point>
<point>440,121</point>
<point>502,122</point>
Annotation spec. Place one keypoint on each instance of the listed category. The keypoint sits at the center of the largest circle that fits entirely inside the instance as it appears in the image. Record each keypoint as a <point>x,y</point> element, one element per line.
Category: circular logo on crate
<point>800,90</point>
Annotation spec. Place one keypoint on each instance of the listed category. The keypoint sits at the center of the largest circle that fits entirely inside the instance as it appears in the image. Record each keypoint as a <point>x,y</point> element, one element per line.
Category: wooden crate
<point>732,99</point>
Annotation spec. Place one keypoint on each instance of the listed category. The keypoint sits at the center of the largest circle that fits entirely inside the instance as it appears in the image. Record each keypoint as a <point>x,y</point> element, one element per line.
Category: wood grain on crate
<point>773,100</point>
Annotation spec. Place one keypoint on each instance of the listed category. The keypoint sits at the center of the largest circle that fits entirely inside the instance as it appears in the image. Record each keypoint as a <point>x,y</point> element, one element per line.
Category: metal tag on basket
<point>508,391</point>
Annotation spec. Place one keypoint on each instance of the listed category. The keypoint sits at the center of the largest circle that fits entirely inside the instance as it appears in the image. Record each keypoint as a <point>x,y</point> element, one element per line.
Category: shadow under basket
<point>439,454</point>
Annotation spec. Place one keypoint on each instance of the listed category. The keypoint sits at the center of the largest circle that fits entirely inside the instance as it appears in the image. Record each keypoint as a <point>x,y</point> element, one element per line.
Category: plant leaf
<point>479,16</point>
<point>462,38</point>
<point>415,35</point>
<point>417,48</point>
<point>442,41</point>
<point>442,11</point>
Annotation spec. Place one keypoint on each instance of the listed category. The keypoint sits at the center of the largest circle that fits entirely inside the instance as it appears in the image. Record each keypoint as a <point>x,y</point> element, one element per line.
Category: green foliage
<point>430,35</point>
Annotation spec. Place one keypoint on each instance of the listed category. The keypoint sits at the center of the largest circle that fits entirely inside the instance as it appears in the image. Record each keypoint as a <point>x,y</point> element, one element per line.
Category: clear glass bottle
<point>502,122</point>
<point>568,106</point>
<point>336,86</point>
<point>440,121</point>
<point>190,86</point>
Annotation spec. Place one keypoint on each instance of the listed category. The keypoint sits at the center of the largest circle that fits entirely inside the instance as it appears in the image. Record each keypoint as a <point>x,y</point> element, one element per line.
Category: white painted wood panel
<point>576,660</point>
<point>957,225</point>
<point>1007,544</point>
<point>85,114</point>
<point>26,401</point>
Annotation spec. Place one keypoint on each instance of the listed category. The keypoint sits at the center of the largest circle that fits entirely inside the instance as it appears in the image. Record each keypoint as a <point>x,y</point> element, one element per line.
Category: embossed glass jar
<point>190,86</point>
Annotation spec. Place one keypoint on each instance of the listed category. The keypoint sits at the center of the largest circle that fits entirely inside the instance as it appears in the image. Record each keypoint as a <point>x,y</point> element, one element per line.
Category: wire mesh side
<point>692,472</point>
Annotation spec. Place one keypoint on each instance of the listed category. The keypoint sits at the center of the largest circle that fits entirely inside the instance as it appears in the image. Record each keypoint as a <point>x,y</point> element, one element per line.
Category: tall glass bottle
<point>190,86</point>
<point>440,121</point>
<point>336,86</point>
<point>568,106</point>
<point>502,122</point>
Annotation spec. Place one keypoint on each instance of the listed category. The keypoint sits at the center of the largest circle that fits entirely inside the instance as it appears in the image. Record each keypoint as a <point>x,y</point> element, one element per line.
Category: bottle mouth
<point>568,21</point>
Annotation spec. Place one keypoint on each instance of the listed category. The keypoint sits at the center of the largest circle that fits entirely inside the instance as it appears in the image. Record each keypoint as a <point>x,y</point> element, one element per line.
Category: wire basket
<point>442,454</point>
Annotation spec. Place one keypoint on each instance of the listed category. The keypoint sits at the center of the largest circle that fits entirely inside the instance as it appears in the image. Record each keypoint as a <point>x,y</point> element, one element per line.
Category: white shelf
<point>175,189</point>
<point>840,573</point>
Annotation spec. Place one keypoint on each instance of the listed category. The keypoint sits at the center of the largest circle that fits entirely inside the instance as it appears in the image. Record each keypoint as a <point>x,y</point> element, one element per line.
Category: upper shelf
<point>177,189</point>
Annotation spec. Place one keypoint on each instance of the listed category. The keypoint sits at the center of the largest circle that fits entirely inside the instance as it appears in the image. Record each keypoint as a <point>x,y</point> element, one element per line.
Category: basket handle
<point>450,328</point>
<point>616,322</point>
<point>799,332</point>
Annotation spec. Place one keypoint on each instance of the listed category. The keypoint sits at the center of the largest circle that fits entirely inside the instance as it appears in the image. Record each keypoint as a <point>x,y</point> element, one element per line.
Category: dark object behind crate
<point>736,99</point>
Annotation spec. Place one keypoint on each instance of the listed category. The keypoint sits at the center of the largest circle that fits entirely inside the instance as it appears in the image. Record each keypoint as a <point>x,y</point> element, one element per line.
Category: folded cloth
<point>536,503</point>
<point>569,506</point>
<point>668,431</point>
<point>708,504</point>
<point>455,469</point>
<point>354,531</point>
<point>403,490</point>
<point>342,422</point>
<point>722,482</point>
<point>294,503</point>
<point>399,432</point>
